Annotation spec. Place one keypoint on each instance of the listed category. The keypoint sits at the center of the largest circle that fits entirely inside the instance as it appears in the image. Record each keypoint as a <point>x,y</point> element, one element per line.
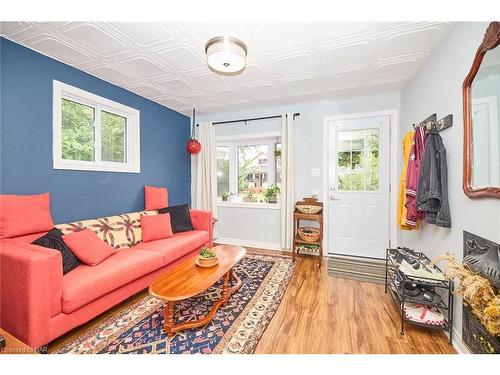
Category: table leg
<point>169,318</point>
<point>225,288</point>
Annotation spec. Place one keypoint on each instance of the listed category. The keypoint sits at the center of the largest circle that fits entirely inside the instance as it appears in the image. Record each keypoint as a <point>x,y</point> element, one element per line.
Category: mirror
<point>481,92</point>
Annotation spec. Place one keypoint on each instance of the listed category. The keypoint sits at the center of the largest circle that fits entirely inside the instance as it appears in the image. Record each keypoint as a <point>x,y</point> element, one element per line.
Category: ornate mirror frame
<point>491,40</point>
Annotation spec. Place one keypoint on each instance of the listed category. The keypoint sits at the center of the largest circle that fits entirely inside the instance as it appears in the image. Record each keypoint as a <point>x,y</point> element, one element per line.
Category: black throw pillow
<point>179,217</point>
<point>53,240</point>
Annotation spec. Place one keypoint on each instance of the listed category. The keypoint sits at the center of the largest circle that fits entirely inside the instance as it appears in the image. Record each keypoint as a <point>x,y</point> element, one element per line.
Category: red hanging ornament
<point>193,146</point>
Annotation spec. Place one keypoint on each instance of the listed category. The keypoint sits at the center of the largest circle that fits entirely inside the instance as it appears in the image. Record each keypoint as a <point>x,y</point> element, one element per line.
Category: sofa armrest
<point>30,290</point>
<point>202,220</point>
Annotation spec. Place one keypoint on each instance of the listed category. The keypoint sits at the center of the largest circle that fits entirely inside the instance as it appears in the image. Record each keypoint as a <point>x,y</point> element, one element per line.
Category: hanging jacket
<point>407,141</point>
<point>412,175</point>
<point>432,192</point>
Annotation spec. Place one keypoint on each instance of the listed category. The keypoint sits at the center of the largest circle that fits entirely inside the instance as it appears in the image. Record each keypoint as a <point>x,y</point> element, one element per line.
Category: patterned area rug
<point>236,328</point>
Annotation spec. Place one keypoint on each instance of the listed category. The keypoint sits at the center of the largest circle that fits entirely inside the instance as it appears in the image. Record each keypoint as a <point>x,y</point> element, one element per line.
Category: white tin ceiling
<point>287,62</point>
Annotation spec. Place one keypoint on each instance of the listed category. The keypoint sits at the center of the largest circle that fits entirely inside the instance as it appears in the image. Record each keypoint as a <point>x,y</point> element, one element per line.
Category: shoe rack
<point>397,283</point>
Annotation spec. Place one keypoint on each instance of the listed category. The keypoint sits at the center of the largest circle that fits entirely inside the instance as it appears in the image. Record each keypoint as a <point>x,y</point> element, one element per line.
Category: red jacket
<point>412,174</point>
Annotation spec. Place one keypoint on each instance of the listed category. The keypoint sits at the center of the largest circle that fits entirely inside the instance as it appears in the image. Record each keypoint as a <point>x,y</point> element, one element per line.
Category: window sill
<point>267,206</point>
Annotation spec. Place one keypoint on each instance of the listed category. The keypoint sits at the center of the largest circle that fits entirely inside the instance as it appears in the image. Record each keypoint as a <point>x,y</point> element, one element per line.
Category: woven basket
<point>309,208</point>
<point>309,234</point>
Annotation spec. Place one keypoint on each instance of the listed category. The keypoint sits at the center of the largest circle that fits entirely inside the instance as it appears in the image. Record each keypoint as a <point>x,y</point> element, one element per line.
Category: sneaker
<point>422,273</point>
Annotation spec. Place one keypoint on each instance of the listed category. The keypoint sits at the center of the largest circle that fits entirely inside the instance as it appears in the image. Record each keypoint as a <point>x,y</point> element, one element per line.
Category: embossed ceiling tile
<point>293,65</point>
<point>279,38</point>
<point>182,59</point>
<point>198,100</point>
<point>176,86</point>
<point>144,67</point>
<point>146,91</point>
<point>301,86</point>
<point>111,74</point>
<point>143,33</point>
<point>261,91</point>
<point>346,79</point>
<point>59,50</point>
<point>230,96</point>
<point>416,41</point>
<point>172,103</point>
<point>209,80</point>
<point>250,74</point>
<point>332,32</point>
<point>94,38</point>
<point>394,71</point>
<point>347,55</point>
<point>9,28</point>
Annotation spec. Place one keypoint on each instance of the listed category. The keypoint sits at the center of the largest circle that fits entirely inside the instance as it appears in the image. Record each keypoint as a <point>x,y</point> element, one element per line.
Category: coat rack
<point>431,123</point>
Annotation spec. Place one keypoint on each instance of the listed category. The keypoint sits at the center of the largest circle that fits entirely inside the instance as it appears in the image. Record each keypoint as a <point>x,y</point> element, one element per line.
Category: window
<point>93,133</point>
<point>358,160</point>
<point>248,171</point>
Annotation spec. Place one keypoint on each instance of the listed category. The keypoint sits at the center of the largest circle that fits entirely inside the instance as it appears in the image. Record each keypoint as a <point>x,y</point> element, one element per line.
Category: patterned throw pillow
<point>120,231</point>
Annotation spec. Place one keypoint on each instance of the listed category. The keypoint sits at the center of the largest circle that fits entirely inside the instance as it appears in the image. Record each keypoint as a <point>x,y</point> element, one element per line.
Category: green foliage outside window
<point>77,131</point>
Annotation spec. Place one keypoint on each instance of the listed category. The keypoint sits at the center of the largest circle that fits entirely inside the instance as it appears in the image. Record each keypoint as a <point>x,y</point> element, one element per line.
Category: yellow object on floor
<point>402,182</point>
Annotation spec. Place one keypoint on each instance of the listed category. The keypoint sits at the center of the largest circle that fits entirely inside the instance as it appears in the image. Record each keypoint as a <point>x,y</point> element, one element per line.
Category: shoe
<point>422,273</point>
<point>423,314</point>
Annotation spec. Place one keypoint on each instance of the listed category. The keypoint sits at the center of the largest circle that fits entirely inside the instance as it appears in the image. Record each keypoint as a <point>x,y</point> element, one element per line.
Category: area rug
<point>236,328</point>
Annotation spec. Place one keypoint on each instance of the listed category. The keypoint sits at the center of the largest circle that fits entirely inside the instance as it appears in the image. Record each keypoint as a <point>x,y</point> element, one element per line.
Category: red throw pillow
<point>24,214</point>
<point>87,247</point>
<point>155,197</point>
<point>156,227</point>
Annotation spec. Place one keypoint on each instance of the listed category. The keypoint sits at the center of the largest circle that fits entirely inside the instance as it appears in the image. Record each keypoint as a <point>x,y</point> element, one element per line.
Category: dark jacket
<point>432,192</point>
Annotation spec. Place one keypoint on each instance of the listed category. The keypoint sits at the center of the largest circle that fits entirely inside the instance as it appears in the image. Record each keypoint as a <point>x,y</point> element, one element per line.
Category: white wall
<point>239,223</point>
<point>437,88</point>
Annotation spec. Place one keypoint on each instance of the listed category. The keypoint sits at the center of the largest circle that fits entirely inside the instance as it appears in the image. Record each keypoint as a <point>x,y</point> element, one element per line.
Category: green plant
<point>249,194</point>
<point>207,253</point>
<point>271,191</point>
<point>225,195</point>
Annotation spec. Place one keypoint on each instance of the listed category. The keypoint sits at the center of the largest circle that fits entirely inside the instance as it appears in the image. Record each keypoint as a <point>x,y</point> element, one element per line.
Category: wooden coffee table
<point>187,280</point>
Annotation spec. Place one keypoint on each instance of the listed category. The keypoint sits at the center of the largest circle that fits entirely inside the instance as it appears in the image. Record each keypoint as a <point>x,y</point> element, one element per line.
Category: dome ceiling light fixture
<point>226,55</point>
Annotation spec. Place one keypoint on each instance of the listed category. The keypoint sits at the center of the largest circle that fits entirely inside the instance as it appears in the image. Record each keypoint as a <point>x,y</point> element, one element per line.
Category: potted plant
<point>207,257</point>
<point>224,196</point>
<point>271,193</point>
<point>248,197</point>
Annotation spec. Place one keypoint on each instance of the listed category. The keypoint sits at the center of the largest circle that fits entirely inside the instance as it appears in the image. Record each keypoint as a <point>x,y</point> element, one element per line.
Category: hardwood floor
<point>320,314</point>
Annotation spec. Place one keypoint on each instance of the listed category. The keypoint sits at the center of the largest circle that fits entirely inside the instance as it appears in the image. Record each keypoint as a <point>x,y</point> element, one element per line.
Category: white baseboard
<point>257,244</point>
<point>458,344</point>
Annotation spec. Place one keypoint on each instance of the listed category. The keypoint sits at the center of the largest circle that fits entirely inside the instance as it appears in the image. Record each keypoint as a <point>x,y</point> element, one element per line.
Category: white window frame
<point>235,141</point>
<point>98,103</point>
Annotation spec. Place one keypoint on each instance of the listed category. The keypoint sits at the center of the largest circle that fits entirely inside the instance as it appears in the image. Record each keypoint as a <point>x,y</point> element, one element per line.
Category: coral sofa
<point>39,304</point>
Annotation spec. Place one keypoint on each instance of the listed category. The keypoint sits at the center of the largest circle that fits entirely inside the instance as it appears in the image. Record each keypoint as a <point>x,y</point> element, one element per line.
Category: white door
<point>358,197</point>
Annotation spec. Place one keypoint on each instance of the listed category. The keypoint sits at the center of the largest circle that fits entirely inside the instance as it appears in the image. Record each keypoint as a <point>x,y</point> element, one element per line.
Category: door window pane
<point>252,172</point>
<point>222,170</point>
<point>113,137</point>
<point>358,160</point>
<point>77,131</point>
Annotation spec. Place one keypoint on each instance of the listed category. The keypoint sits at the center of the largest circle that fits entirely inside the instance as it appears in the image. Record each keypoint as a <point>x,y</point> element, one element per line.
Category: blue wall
<point>26,142</point>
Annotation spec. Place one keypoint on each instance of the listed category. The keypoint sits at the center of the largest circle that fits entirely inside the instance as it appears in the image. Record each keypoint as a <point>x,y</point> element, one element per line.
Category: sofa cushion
<point>156,227</point>
<point>177,246</point>
<point>87,247</point>
<point>53,240</point>
<point>155,197</point>
<point>180,217</point>
<point>24,214</point>
<point>85,284</point>
<point>120,231</point>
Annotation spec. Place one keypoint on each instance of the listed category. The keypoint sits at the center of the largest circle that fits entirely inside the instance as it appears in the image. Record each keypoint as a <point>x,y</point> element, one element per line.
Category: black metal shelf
<point>396,291</point>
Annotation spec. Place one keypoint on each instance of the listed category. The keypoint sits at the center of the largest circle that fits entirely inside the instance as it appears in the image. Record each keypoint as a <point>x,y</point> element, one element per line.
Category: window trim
<point>133,155</point>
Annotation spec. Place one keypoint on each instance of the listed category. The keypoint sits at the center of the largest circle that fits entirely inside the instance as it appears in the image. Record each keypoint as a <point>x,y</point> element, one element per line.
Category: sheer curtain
<point>206,169</point>
<point>287,194</point>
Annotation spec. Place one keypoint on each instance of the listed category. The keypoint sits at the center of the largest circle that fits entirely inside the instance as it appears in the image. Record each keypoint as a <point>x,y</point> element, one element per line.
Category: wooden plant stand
<point>297,217</point>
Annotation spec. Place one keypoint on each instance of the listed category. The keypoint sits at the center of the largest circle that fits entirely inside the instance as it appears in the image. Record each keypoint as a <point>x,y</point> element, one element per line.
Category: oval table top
<point>187,279</point>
